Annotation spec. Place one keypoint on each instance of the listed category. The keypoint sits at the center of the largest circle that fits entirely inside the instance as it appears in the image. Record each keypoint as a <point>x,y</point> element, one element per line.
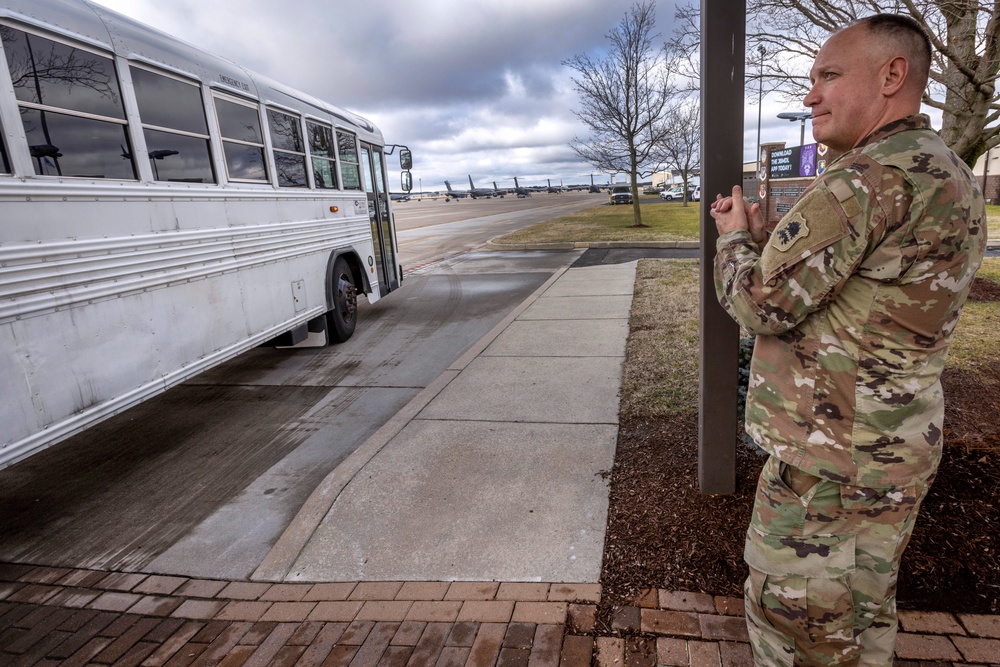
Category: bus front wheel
<point>342,320</point>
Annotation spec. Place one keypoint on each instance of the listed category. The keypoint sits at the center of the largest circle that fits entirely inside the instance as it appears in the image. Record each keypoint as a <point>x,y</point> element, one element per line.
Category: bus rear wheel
<point>342,320</point>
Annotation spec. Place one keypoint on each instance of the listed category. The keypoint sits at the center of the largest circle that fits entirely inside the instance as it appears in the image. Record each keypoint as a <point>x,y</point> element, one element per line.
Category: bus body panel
<point>194,300</point>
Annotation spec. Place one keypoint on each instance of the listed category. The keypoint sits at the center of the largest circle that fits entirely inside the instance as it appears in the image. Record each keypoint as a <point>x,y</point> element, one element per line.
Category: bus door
<point>373,173</point>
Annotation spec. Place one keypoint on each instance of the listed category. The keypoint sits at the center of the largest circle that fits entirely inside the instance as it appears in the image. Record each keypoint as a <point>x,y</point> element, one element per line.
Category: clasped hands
<point>729,217</point>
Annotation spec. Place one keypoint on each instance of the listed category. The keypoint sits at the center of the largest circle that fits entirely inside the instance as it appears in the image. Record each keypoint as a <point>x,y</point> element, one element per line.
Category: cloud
<point>470,86</point>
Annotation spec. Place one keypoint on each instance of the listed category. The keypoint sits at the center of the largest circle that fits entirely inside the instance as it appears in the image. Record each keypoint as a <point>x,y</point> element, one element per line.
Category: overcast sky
<point>471,86</point>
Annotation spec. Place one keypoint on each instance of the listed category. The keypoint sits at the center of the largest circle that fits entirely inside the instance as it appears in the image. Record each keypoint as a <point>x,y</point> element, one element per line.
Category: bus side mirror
<point>407,181</point>
<point>405,159</point>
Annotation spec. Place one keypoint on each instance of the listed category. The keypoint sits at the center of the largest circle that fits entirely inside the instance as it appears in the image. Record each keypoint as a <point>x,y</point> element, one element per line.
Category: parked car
<point>696,194</point>
<point>672,194</point>
<point>621,194</point>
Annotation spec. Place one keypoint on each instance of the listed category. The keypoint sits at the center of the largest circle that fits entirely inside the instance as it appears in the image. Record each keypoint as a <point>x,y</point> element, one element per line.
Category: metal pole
<point>723,68</point>
<point>760,106</point>
<point>986,174</point>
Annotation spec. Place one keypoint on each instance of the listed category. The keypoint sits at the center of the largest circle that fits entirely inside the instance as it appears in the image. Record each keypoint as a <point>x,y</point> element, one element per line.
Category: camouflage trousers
<point>823,567</point>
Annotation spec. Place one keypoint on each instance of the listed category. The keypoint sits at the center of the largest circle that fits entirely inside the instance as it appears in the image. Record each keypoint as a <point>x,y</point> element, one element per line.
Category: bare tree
<point>50,64</point>
<point>682,140</point>
<point>623,96</point>
<point>683,52</point>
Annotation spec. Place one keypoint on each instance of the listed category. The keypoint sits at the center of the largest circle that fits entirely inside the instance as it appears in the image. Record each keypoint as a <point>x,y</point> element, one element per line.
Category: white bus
<point>162,210</point>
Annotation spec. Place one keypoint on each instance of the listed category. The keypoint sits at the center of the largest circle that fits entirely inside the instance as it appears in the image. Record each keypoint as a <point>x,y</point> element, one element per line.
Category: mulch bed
<point>664,533</point>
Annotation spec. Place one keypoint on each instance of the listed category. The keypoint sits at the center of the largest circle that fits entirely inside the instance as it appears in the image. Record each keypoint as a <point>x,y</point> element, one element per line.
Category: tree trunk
<point>636,213</point>
<point>962,129</point>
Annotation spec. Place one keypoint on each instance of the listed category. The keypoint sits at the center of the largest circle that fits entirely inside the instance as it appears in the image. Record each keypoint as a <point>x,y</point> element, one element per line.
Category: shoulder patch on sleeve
<point>791,230</point>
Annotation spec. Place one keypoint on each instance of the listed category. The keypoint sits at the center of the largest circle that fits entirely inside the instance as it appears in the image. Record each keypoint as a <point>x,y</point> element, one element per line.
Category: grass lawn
<point>660,376</point>
<point>974,347</point>
<point>666,221</point>
<point>993,221</point>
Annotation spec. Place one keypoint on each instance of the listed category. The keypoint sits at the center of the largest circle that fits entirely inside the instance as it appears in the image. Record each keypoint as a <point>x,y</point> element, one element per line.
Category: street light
<point>801,117</point>
<point>760,102</point>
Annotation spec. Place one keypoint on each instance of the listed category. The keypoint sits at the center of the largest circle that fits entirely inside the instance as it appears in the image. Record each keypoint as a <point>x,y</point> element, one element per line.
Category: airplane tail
<point>447,185</point>
<point>515,182</point>
<point>471,186</point>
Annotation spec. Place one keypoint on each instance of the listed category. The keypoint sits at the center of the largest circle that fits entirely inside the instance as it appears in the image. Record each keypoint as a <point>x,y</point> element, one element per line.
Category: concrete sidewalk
<point>493,472</point>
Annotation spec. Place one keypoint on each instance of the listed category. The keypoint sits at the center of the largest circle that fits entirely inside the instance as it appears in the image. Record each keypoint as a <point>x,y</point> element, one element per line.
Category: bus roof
<point>90,23</point>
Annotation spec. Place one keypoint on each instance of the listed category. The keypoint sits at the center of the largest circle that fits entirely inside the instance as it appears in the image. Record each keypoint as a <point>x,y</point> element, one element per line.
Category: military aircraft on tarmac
<point>476,193</point>
<point>555,190</point>
<point>497,192</point>
<point>454,194</point>
<point>519,191</point>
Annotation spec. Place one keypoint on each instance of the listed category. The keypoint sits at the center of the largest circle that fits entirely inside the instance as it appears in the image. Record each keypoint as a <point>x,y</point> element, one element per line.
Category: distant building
<point>668,178</point>
<point>987,173</point>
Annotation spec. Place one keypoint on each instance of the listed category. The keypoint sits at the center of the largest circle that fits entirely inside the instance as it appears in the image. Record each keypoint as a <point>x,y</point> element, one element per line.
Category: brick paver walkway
<point>59,616</point>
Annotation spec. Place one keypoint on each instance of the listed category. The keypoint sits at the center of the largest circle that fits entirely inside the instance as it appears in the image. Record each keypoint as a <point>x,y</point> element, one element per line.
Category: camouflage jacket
<point>854,299</point>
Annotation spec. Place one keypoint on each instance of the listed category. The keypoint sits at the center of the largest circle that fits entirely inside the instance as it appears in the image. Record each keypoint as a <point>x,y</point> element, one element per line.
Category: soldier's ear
<point>893,75</point>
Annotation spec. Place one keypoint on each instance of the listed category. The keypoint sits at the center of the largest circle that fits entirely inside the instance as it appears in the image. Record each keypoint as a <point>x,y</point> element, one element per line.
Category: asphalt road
<point>430,230</point>
<point>204,478</point>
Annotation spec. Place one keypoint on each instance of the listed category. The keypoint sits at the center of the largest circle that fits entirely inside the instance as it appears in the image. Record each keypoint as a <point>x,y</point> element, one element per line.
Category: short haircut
<point>909,34</point>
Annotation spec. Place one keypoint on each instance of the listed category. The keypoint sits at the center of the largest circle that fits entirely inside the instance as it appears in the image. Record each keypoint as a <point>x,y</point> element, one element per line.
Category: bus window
<point>71,107</point>
<point>321,151</point>
<point>347,145</point>
<point>289,153</point>
<point>242,140</point>
<point>173,122</point>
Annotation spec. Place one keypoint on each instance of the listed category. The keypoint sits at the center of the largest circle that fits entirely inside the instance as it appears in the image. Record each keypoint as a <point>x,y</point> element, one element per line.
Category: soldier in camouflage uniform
<point>853,299</point>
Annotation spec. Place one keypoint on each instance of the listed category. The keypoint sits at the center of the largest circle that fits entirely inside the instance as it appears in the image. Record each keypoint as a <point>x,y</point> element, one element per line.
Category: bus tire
<point>342,320</point>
